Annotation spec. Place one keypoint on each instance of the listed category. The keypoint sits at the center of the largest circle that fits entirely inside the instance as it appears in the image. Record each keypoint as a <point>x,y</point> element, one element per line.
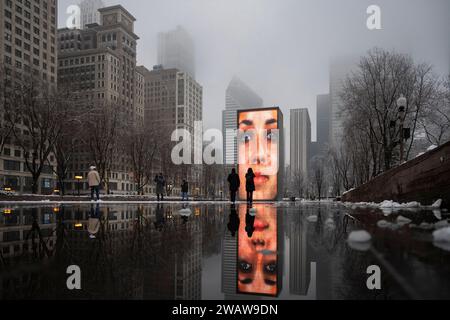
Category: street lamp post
<point>78,178</point>
<point>401,103</point>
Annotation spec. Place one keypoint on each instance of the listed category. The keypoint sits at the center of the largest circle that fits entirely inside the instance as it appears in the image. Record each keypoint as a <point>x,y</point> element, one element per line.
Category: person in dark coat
<point>235,183</point>
<point>250,184</point>
<point>160,185</point>
<point>185,191</point>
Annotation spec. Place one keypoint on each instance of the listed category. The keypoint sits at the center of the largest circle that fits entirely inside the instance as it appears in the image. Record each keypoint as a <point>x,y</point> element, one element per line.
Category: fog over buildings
<point>283,48</point>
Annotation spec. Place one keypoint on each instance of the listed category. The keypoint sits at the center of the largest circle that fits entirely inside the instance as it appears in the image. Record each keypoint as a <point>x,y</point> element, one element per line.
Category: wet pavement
<point>217,251</point>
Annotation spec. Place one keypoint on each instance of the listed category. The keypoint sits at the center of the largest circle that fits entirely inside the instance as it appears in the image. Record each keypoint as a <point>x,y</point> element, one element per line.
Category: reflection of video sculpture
<point>259,242</point>
<point>260,147</point>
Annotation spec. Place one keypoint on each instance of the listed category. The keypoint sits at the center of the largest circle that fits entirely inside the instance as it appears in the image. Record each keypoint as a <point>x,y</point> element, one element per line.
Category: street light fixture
<point>78,178</point>
<point>401,103</point>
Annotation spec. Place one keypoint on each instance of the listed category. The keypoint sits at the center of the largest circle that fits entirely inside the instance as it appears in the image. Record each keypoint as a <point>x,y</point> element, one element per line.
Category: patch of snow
<point>420,154</point>
<point>423,226</point>
<point>352,189</point>
<point>403,220</point>
<point>437,214</point>
<point>312,219</point>
<point>383,224</point>
<point>441,224</point>
<point>432,147</point>
<point>185,212</point>
<point>442,235</point>
<point>437,204</point>
<point>359,236</point>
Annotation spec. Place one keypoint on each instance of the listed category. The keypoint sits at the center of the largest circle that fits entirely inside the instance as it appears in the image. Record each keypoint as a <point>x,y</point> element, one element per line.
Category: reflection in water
<point>175,252</point>
<point>257,265</point>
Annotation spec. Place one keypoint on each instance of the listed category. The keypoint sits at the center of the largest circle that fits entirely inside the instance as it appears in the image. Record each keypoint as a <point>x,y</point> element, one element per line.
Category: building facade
<point>239,96</point>
<point>176,50</point>
<point>300,140</point>
<point>174,100</point>
<point>27,49</point>
<point>98,64</point>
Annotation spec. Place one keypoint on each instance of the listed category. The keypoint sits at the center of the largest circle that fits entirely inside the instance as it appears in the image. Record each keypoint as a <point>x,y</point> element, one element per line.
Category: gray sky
<point>282,48</point>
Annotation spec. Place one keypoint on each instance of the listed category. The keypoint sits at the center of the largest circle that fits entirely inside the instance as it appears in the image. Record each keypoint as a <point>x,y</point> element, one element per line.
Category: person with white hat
<point>94,182</point>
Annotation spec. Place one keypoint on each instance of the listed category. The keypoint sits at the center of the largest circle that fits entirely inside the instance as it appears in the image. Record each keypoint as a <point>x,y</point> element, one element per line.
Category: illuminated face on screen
<point>257,251</point>
<point>258,149</point>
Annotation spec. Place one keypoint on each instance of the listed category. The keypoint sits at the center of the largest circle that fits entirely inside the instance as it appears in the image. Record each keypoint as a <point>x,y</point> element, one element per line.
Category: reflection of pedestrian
<point>185,191</point>
<point>233,221</point>
<point>249,223</point>
<point>94,182</point>
<point>235,183</point>
<point>160,184</point>
<point>94,221</point>
<point>160,220</point>
<point>250,184</point>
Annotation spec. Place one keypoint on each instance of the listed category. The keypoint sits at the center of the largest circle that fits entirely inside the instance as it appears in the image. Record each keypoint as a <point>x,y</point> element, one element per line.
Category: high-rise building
<point>27,49</point>
<point>239,96</point>
<point>174,100</point>
<point>323,119</point>
<point>323,110</point>
<point>340,69</point>
<point>98,64</point>
<point>89,12</point>
<point>300,133</point>
<point>176,50</point>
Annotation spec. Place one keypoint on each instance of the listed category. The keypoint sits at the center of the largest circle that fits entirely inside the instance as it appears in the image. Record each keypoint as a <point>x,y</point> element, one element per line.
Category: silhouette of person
<point>235,183</point>
<point>233,221</point>
<point>249,222</point>
<point>160,219</point>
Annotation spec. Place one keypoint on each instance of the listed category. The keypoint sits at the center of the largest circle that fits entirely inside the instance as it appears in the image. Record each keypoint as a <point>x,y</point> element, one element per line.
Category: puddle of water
<point>216,251</point>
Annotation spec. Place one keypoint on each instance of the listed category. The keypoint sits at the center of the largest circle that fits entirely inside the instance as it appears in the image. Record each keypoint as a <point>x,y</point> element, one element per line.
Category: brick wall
<point>424,179</point>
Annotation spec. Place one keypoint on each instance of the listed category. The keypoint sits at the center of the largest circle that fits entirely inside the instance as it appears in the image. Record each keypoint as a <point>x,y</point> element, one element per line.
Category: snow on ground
<point>442,235</point>
<point>312,219</point>
<point>392,205</point>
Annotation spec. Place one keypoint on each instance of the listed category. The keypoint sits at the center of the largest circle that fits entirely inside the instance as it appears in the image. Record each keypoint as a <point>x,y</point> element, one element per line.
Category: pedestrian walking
<point>235,183</point>
<point>185,191</point>
<point>250,185</point>
<point>94,182</point>
<point>160,185</point>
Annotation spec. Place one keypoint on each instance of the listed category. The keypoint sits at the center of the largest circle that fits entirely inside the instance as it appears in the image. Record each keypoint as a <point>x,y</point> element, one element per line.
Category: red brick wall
<point>424,179</point>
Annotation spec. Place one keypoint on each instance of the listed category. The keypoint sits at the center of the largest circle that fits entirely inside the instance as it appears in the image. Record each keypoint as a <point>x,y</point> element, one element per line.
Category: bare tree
<point>370,95</point>
<point>37,117</point>
<point>101,129</point>
<point>436,122</point>
<point>318,176</point>
<point>298,183</point>
<point>141,145</point>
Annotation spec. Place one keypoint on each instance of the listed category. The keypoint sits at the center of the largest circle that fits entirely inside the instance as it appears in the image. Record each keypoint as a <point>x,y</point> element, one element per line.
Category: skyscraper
<point>89,12</point>
<point>176,50</point>
<point>323,120</point>
<point>27,51</point>
<point>340,69</point>
<point>300,141</point>
<point>239,96</point>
